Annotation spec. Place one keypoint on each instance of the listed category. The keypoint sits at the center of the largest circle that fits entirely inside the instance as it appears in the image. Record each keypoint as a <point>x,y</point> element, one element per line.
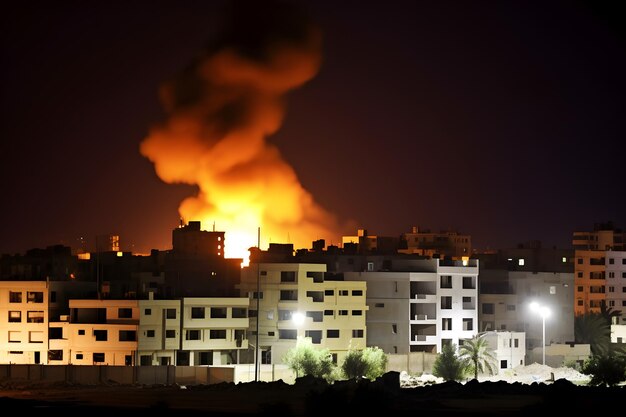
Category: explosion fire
<point>220,111</point>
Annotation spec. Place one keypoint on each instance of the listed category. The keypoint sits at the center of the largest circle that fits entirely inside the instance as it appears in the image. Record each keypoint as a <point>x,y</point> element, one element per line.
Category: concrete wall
<point>413,363</point>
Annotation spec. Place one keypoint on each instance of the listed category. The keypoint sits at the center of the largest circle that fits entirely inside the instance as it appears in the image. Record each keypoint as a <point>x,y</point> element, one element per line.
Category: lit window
<point>520,262</point>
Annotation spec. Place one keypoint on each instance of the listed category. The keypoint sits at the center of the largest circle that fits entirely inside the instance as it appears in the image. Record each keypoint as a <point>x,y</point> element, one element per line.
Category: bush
<point>370,363</point>
<point>304,359</point>
<point>448,365</point>
<point>605,370</point>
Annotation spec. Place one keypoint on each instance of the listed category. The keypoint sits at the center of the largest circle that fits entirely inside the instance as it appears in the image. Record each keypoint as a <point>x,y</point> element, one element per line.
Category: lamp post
<point>544,312</point>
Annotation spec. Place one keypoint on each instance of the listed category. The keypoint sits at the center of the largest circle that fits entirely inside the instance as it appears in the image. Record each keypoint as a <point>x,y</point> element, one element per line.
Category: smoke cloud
<point>220,111</point>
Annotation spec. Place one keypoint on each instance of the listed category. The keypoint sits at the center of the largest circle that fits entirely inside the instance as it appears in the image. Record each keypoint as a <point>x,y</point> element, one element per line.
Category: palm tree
<point>609,313</point>
<point>594,329</point>
<point>477,354</point>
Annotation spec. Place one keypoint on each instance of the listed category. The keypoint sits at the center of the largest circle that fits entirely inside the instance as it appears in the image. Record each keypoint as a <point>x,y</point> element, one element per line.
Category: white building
<point>508,347</point>
<point>24,322</point>
<point>421,305</point>
<point>159,331</point>
<point>618,333</point>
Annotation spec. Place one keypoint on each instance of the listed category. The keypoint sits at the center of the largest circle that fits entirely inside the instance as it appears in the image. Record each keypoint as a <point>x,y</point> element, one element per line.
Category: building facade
<point>421,304</point>
<point>292,300</point>
<point>508,347</point>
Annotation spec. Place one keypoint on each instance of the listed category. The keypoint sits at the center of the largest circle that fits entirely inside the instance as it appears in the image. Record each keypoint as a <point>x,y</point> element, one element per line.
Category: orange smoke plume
<point>220,112</point>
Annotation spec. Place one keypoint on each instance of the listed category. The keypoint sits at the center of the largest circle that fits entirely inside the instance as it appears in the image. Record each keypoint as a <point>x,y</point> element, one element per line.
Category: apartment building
<point>600,270</point>
<point>293,300</point>
<point>97,332</point>
<point>159,331</point>
<point>505,298</point>
<point>447,243</point>
<point>420,304</point>
<point>24,322</point>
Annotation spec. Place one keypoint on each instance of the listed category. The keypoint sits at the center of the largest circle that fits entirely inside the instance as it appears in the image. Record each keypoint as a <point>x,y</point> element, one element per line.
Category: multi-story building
<point>24,322</point>
<point>97,332</point>
<point>292,300</point>
<point>159,331</point>
<point>420,304</point>
<point>600,270</point>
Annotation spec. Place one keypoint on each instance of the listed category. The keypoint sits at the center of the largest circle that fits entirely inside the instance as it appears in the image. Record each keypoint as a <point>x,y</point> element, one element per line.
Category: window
<point>379,305</point>
<point>206,358</point>
<point>14,336</point>
<point>468,324</point>
<point>329,292</point>
<point>98,357</point>
<point>357,333</point>
<point>34,297</point>
<point>552,289</point>
<point>343,312</point>
<point>79,356</point>
<point>125,313</point>
<point>55,333</point>
<point>446,303</point>
<point>623,303</point>
<point>344,292</point>
<point>149,333</point>
<point>128,336</point>
<point>564,259</point>
<point>580,274</point>
<point>287,276</point>
<point>284,315</point>
<point>488,308</point>
<point>288,295</point>
<point>145,360</point>
<point>170,313</point>
<point>516,343</point>
<point>579,302</point>
<point>288,334</point>
<point>218,312</point>
<point>217,334</point>
<point>445,281</point>
<point>580,261</point>
<point>329,313</point>
<point>357,293</point>
<point>15,297</point>
<point>394,328</point>
<point>270,333</point>
<point>468,283</point>
<point>317,316</point>
<point>15,316</point>
<point>81,332</point>
<point>623,289</point>
<point>623,274</point>
<point>332,334</point>
<point>34,317</point>
<point>147,312</point>
<point>192,335</point>
<point>263,273</point>
<point>510,307</point>
<point>503,364</point>
<point>170,334</point>
<point>446,323</point>
<point>623,261</point>
<point>315,335</point>
<point>100,335</point>
<point>611,289</point>
<point>254,295</point>
<point>611,261</point>
<point>55,355</point>
<point>197,312</point>
<point>357,312</point>
<point>579,288</point>
<point>520,261</point>
<point>238,313</point>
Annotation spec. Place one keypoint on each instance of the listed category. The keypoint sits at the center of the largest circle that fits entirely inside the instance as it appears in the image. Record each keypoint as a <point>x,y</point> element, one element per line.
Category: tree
<point>448,365</point>
<point>605,369</point>
<point>370,363</point>
<point>479,357</point>
<point>593,329</point>
<point>305,359</point>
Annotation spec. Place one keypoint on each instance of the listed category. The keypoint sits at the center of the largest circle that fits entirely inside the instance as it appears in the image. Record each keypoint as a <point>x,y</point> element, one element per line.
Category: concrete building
<point>618,333</point>
<point>420,304</point>
<point>505,297</point>
<point>600,269</point>
<point>24,322</point>
<point>159,336</point>
<point>301,300</point>
<point>97,332</point>
<point>508,347</point>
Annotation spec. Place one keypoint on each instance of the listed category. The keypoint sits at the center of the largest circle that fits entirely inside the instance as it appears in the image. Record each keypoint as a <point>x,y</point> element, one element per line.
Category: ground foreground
<point>312,397</point>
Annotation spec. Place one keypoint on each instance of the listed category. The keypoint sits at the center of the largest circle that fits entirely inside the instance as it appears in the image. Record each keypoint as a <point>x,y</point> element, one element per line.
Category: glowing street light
<point>297,318</point>
<point>544,312</point>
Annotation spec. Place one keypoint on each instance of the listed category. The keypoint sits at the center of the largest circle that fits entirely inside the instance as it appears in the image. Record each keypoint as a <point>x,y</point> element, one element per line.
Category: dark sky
<point>502,120</point>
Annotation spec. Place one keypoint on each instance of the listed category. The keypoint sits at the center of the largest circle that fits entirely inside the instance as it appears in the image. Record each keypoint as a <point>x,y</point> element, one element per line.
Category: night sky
<point>498,119</point>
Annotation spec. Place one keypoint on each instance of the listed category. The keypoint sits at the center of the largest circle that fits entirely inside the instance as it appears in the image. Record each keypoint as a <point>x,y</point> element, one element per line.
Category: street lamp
<point>297,318</point>
<point>544,312</point>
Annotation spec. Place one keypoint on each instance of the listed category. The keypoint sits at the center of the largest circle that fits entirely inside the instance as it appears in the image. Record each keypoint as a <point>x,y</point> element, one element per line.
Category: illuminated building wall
<point>420,304</point>
<point>508,347</point>
<point>333,311</point>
